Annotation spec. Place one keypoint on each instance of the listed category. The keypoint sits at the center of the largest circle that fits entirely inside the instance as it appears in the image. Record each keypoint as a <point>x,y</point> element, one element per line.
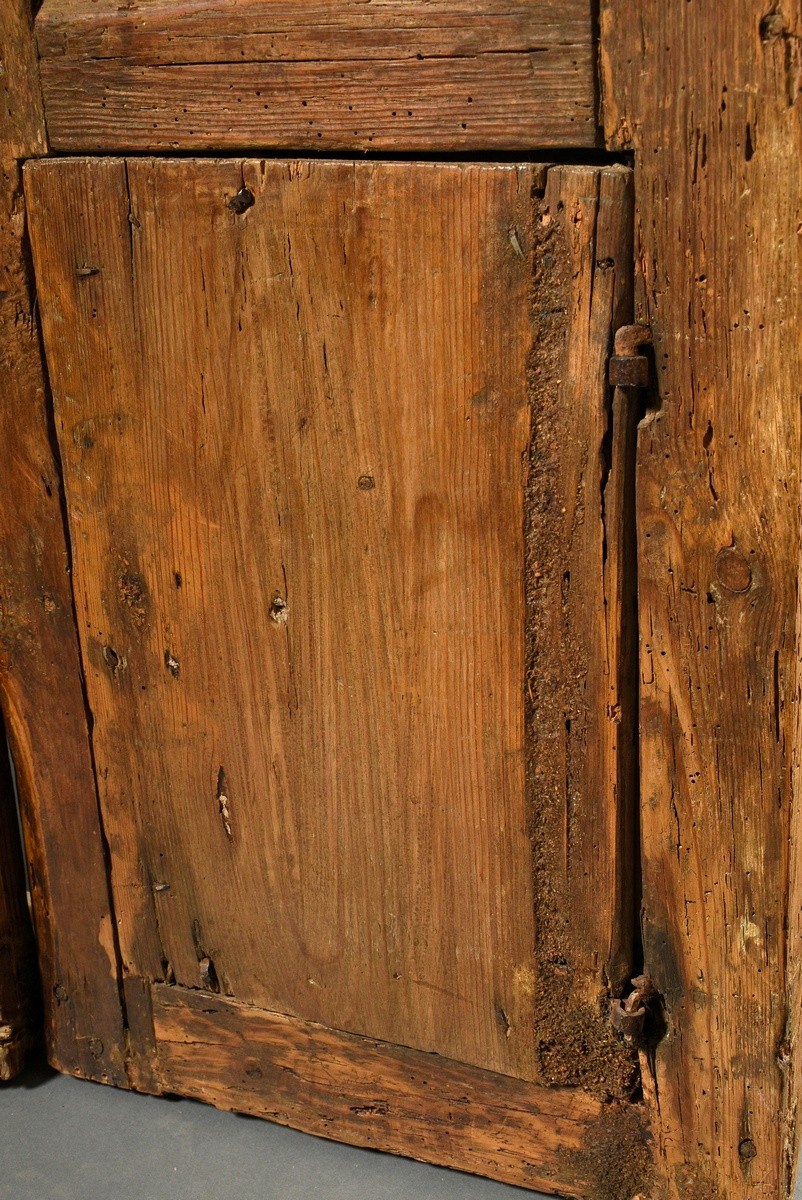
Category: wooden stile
<point>40,674</point>
<point>719,210</point>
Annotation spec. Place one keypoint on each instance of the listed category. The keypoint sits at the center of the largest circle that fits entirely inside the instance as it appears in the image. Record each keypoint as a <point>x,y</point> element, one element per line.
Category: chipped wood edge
<point>580,631</point>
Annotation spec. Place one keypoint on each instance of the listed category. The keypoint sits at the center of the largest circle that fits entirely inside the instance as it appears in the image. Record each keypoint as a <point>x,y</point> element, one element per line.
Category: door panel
<point>334,440</point>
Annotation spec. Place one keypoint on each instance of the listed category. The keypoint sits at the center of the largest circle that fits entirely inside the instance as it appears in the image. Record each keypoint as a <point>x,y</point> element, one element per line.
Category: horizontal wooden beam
<point>294,30</point>
<point>418,75</point>
<point>370,1093</point>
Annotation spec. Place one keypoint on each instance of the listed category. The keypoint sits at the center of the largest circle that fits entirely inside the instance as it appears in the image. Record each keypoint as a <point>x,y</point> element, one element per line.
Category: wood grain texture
<point>321,436</point>
<point>388,1098</point>
<point>291,31</point>
<point>715,125</point>
<point>580,701</point>
<point>40,672</point>
<point>300,531</point>
<point>416,75</point>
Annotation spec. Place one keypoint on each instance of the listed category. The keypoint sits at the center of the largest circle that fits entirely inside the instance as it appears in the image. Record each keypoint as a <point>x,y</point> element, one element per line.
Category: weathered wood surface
<point>40,672</point>
<point>19,984</point>
<point>298,551</point>
<point>389,1098</point>
<point>580,702</point>
<point>415,75</point>
<point>300,585</point>
<point>710,104</point>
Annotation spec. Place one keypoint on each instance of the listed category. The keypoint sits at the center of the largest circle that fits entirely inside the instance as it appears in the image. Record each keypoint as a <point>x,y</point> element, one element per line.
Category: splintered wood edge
<point>396,78</point>
<point>390,1098</point>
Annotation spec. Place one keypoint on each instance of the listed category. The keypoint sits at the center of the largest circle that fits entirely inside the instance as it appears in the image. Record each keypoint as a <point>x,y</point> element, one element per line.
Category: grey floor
<point>64,1139</point>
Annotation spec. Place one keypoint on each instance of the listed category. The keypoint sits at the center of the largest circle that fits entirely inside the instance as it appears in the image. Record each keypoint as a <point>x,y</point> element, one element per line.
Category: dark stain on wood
<point>617,1155</point>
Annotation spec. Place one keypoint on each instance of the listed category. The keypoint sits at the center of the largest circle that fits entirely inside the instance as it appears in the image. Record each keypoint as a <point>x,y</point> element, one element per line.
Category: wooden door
<point>345,508</point>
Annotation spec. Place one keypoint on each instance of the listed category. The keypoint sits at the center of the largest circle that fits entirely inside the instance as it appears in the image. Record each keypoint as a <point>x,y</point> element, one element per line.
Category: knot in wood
<point>733,570</point>
<point>242,201</point>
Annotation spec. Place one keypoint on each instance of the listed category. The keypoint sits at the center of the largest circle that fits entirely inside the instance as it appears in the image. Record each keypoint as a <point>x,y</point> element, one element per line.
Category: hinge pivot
<point>628,1016</point>
<point>628,367</point>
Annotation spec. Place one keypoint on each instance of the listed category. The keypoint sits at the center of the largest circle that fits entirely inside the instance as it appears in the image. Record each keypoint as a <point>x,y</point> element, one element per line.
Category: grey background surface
<point>66,1139</point>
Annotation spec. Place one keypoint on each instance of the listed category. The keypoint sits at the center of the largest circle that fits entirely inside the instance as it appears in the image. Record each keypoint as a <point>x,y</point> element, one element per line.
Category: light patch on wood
<point>749,932</point>
<point>105,937</point>
<point>222,801</point>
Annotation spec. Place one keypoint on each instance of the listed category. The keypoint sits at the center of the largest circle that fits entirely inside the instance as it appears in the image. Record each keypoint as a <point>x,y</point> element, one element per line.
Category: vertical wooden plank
<point>40,672</point>
<point>710,103</point>
<point>304,510</point>
<point>580,710</point>
<point>297,513</point>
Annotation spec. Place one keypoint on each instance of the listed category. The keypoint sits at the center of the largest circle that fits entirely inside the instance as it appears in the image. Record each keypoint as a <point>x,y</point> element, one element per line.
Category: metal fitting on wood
<point>628,368</point>
<point>628,1016</point>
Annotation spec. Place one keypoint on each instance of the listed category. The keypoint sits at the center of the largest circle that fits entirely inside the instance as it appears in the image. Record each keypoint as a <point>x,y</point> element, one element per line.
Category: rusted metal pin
<point>628,1016</point>
<point>628,368</point>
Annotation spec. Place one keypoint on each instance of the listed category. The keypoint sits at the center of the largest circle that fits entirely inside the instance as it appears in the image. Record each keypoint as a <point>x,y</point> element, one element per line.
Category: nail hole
<point>111,657</point>
<point>366,483</point>
<point>278,610</point>
<point>243,200</point>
